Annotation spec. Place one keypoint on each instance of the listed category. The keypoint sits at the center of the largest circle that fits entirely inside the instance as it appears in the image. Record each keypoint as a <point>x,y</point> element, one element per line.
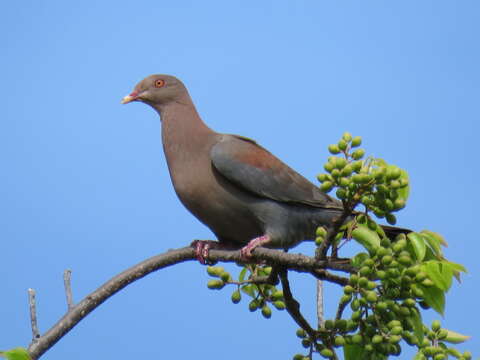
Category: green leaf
<point>18,353</point>
<point>353,352</point>
<point>417,324</point>
<point>358,259</point>
<point>439,238</point>
<point>434,297</point>
<point>249,290</point>
<point>455,338</point>
<point>418,244</point>
<point>241,277</point>
<point>433,243</point>
<point>456,268</point>
<point>440,275</point>
<point>366,237</point>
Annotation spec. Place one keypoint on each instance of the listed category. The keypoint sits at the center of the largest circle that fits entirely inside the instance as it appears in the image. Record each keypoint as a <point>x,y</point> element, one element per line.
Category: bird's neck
<point>183,131</point>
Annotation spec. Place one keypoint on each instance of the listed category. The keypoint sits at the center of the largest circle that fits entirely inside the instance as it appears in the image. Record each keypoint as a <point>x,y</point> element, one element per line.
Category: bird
<point>242,192</point>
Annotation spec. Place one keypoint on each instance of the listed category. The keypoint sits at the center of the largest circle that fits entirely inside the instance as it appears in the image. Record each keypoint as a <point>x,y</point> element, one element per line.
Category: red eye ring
<point>159,83</point>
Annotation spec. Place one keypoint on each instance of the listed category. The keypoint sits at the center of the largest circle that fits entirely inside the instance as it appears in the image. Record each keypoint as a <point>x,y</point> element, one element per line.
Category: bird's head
<point>157,90</point>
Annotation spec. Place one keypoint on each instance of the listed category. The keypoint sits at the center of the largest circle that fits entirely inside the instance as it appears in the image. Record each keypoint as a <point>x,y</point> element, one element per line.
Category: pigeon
<point>237,188</point>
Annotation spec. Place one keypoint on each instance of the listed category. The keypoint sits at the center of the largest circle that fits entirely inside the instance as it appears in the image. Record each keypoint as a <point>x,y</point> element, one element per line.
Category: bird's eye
<point>159,83</point>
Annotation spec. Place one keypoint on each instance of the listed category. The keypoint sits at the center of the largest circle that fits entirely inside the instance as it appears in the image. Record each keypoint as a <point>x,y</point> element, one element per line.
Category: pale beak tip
<point>127,99</point>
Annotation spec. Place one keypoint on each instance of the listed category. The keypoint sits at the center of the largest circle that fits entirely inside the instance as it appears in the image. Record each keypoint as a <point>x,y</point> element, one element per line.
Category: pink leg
<point>246,251</point>
<point>202,247</point>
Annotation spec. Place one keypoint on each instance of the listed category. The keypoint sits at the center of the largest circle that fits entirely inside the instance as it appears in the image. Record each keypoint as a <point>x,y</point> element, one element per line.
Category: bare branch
<point>325,275</point>
<point>320,315</point>
<point>67,274</point>
<point>33,315</point>
<point>275,258</point>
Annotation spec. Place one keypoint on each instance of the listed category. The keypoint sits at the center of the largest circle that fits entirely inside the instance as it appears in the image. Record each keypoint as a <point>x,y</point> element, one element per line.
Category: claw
<point>202,249</point>
<point>246,251</point>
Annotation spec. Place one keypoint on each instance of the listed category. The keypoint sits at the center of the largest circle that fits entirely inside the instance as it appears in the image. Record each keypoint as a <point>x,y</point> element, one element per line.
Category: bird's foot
<point>202,248</point>
<point>246,251</point>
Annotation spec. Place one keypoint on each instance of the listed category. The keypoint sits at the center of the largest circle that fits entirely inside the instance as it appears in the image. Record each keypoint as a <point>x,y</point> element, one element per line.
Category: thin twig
<point>33,315</point>
<point>321,274</point>
<point>67,274</point>
<point>293,307</point>
<point>320,314</point>
<point>340,309</point>
<point>332,231</point>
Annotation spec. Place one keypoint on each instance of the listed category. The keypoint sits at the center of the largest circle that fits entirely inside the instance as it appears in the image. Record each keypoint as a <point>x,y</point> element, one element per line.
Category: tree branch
<point>67,274</point>
<point>33,315</point>
<point>76,313</point>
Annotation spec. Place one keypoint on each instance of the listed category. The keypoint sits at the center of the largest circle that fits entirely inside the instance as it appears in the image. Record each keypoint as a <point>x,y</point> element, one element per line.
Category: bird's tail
<point>393,231</point>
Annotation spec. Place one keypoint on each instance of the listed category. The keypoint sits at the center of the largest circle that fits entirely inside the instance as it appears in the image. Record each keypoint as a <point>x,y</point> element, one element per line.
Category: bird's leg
<point>246,251</point>
<point>202,247</point>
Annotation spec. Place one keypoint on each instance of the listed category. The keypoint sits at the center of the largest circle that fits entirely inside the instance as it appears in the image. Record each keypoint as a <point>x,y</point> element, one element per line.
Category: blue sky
<point>84,184</point>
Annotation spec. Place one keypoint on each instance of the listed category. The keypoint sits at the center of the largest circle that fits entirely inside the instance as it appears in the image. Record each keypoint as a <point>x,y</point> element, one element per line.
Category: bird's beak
<point>129,98</point>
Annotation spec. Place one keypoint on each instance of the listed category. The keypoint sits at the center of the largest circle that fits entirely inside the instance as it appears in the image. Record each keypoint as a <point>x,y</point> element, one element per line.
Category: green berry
<point>321,231</point>
<point>266,312</point>
<point>436,325</point>
<point>342,144</point>
<point>323,177</point>
<point>365,271</point>
<point>236,297</point>
<point>397,330</point>
<point>356,166</point>
<point>356,315</point>
<point>381,274</point>
<point>301,333</point>
<point>371,296</point>
<point>347,170</point>
<point>279,305</point>
<point>356,141</point>
<point>215,284</point>
<point>253,305</point>
<point>339,340</point>
<point>225,276</point>
<point>341,193</point>
<point>358,154</point>
<point>326,186</point>
<point>333,149</point>
<point>391,219</point>
<point>329,324</point>
<point>329,167</point>
<point>394,339</point>
<point>341,324</point>
<point>363,282</point>
<point>348,289</point>
<point>387,259</point>
<point>326,353</point>
<point>399,204</point>
<point>345,299</point>
<point>382,306</point>
<point>344,182</point>
<point>377,339</point>
<point>215,270</point>
<point>347,136</point>
<point>357,339</point>
<point>277,295</point>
